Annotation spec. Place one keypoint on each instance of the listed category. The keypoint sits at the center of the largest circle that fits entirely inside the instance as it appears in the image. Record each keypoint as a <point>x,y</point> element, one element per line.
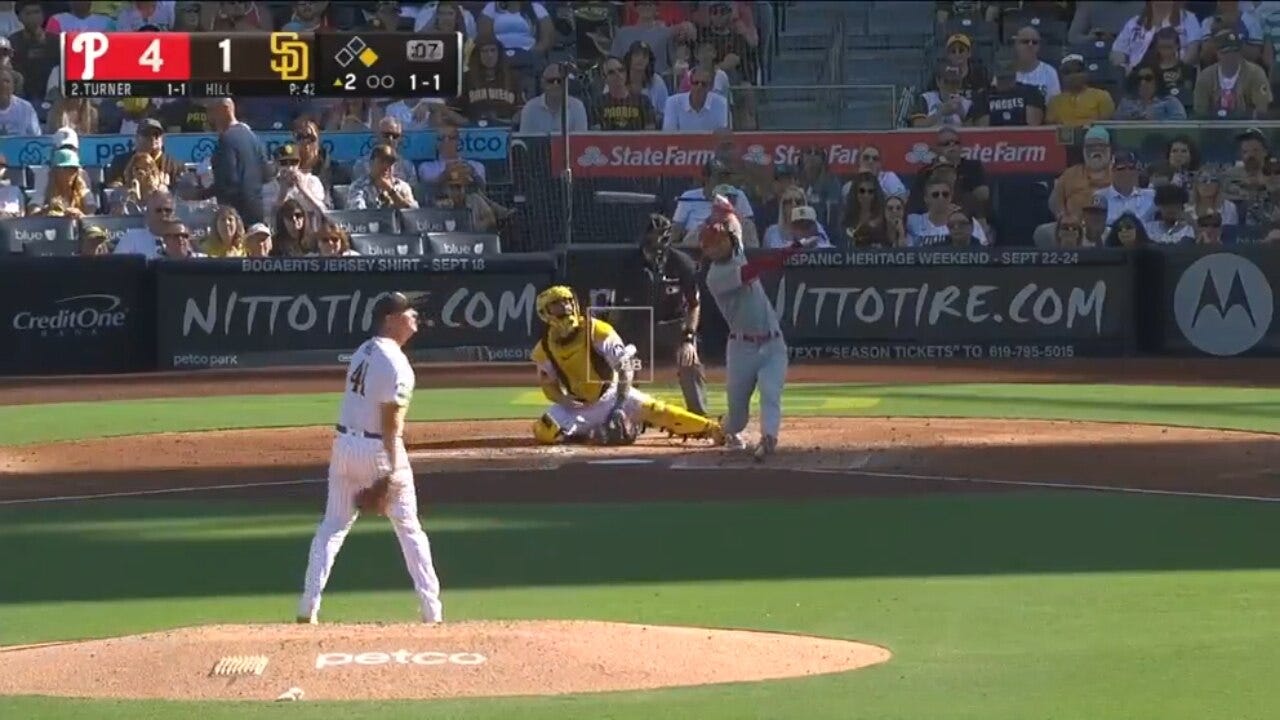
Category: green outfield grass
<point>996,607</point>
<point>1218,407</point>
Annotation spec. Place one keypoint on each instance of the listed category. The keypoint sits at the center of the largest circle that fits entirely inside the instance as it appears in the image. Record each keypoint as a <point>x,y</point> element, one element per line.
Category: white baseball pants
<point>583,419</point>
<point>353,466</point>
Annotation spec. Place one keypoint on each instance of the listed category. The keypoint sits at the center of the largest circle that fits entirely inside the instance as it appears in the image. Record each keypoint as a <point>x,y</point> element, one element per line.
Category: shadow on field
<point>137,549</point>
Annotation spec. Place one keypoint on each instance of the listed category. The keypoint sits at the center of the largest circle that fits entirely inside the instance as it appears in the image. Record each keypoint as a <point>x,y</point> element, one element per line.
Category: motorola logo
<point>1223,304</point>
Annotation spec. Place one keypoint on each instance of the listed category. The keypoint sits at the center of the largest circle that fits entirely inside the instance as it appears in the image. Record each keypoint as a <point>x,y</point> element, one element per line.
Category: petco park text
<point>399,657</point>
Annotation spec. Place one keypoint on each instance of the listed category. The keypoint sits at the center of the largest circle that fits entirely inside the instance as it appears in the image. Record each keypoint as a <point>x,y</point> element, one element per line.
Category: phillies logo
<point>92,46</point>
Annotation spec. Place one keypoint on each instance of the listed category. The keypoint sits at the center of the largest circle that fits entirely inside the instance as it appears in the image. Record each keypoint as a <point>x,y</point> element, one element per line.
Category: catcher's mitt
<point>618,430</point>
<point>373,499</point>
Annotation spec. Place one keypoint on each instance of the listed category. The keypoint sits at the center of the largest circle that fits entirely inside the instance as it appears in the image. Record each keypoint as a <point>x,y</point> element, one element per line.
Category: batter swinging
<point>369,467</point>
<point>586,371</point>
<point>756,354</point>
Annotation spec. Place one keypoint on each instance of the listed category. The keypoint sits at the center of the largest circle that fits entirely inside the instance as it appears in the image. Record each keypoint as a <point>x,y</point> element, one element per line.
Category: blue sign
<point>417,145</point>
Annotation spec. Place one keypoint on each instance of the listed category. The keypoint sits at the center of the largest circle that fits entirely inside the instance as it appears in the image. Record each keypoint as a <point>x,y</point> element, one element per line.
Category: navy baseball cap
<point>1124,159</point>
<point>392,304</point>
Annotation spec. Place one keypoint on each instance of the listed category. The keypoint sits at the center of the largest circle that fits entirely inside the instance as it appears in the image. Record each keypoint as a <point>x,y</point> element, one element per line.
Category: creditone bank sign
<point>399,657</point>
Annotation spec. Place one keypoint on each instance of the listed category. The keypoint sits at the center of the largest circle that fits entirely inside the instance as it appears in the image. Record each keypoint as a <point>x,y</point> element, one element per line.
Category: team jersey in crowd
<point>921,232</point>
<point>379,373</point>
<point>633,112</point>
<point>583,365</point>
<point>1008,107</point>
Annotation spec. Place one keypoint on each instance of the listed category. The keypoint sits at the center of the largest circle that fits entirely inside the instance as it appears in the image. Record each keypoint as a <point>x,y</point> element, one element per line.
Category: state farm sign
<point>1002,151</point>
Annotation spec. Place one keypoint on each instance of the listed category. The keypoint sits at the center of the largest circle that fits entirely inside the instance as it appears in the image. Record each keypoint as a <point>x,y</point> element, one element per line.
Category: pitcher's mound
<point>468,659</point>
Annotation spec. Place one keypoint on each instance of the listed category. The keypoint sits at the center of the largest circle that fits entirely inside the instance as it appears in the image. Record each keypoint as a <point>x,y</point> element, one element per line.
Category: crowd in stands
<point>688,67</point>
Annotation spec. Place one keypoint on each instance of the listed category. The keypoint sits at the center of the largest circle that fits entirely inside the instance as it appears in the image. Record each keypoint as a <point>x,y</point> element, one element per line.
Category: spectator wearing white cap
<point>6,61</point>
<point>257,241</point>
<point>802,226</point>
<point>17,116</point>
<point>65,137</point>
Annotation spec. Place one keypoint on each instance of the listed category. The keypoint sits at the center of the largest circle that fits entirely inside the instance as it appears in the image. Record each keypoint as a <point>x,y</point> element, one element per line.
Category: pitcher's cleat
<point>305,620</point>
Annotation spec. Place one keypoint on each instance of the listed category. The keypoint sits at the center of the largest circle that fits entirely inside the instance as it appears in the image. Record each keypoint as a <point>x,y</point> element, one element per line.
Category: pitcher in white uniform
<point>369,445</point>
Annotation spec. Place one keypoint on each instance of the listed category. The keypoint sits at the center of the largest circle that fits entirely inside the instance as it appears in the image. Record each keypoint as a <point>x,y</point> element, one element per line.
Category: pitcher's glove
<point>373,499</point>
<point>619,430</point>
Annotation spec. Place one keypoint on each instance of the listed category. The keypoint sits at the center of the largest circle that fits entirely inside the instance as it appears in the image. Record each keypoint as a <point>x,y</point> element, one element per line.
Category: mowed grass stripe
<point>1228,408</point>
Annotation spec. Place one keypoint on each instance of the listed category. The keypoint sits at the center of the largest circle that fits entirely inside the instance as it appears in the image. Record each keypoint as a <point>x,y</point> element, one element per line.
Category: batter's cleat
<point>305,620</point>
<point>734,442</point>
<point>768,445</point>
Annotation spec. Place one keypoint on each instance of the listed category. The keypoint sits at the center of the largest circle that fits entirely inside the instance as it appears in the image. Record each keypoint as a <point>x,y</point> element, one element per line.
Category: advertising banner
<point>1032,150</point>
<point>344,147</point>
<point>1220,303</point>
<point>247,313</point>
<point>942,305</point>
<point>74,315</point>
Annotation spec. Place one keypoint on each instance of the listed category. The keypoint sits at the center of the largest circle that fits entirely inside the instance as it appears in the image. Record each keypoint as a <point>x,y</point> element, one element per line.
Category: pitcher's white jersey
<point>378,373</point>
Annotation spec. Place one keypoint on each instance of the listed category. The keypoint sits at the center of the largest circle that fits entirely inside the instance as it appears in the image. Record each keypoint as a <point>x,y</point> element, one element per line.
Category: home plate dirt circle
<point>387,662</point>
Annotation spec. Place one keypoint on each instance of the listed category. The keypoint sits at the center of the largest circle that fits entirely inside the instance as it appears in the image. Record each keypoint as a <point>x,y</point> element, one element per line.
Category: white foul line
<point>1043,484</point>
<point>158,491</point>
<point>821,471</point>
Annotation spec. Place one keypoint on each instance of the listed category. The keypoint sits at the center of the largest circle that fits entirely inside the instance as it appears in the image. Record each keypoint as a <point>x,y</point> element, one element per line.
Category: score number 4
<point>94,46</point>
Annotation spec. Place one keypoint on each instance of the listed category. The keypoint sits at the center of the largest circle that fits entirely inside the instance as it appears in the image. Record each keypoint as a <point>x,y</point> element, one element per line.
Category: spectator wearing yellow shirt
<point>1078,104</point>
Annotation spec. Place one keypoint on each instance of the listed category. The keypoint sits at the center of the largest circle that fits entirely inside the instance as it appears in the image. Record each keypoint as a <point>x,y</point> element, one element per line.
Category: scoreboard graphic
<point>201,65</point>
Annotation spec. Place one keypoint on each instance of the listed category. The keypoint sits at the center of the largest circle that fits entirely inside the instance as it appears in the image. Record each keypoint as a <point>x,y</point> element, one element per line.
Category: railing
<point>828,107</point>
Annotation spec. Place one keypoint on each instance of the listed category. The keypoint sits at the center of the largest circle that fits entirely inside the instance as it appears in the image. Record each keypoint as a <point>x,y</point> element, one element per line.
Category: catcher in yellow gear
<point>586,371</point>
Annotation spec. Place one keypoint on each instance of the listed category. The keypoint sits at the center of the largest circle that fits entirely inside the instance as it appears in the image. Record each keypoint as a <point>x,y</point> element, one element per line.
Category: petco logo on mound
<point>399,657</point>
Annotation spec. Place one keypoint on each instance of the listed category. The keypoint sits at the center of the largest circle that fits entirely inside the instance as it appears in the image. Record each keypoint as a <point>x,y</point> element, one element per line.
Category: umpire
<point>671,288</point>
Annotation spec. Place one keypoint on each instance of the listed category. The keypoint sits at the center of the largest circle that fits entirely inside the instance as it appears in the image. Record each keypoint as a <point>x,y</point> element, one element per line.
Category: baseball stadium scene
<point>628,359</point>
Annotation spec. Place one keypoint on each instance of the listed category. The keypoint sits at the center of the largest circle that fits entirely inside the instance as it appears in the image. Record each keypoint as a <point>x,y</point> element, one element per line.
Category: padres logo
<point>290,57</point>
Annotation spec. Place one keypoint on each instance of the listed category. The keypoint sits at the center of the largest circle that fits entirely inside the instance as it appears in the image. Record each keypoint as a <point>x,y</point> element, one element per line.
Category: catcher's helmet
<point>565,322</point>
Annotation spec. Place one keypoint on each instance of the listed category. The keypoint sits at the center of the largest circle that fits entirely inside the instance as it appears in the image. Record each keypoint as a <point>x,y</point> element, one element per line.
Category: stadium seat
<point>386,244</point>
<point>50,248</point>
<point>365,221</point>
<point>15,233</point>
<point>980,31</point>
<point>464,243</point>
<point>113,225</point>
<point>1095,51</point>
<point>427,219</point>
<point>1052,30</point>
<point>95,174</point>
<point>340,196</point>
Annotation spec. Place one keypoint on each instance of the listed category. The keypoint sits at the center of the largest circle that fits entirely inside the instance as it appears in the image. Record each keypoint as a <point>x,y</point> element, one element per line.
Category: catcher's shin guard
<point>678,421</point>
<point>546,431</point>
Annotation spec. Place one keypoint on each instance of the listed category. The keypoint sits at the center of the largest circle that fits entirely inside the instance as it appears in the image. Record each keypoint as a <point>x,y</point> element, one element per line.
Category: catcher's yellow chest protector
<point>582,371</point>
